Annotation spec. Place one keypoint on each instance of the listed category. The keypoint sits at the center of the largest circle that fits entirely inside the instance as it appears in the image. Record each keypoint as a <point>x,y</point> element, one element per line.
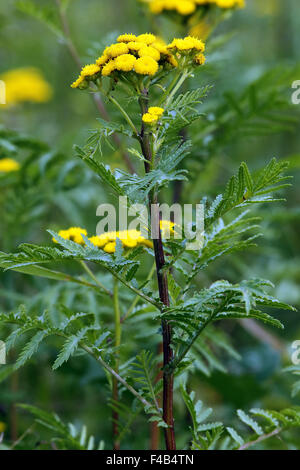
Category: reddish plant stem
<point>168,377</point>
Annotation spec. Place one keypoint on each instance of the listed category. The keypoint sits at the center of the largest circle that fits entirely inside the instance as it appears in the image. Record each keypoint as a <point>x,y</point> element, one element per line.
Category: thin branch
<point>137,298</point>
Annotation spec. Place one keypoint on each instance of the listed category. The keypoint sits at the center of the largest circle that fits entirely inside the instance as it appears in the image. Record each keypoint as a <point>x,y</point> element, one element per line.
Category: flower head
<point>145,55</point>
<point>116,49</point>
<point>149,118</point>
<point>187,8</point>
<point>73,234</point>
<point>147,38</point>
<point>200,59</point>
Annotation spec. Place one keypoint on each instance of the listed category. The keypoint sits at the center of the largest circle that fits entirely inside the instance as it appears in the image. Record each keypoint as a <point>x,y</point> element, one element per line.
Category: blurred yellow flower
<point>8,165</point>
<point>26,85</point>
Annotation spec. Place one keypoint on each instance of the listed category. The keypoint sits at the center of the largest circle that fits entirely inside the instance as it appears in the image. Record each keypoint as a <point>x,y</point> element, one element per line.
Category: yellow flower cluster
<point>144,55</point>
<point>188,7</point>
<point>108,241</point>
<point>8,165</point>
<point>153,115</point>
<point>26,85</point>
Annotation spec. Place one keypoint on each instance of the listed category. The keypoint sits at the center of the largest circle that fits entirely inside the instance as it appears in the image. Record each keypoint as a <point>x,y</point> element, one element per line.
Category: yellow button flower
<point>185,7</point>
<point>187,44</point>
<point>90,70</point>
<point>135,46</point>
<point>116,49</point>
<point>189,7</point>
<point>2,427</point>
<point>73,234</point>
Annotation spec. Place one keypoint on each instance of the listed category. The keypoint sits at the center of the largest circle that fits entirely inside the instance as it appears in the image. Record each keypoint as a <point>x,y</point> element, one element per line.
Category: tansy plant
<point>150,74</point>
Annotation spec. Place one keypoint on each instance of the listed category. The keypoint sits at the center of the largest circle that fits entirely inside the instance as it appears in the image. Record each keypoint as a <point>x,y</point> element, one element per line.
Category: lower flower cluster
<point>143,55</point>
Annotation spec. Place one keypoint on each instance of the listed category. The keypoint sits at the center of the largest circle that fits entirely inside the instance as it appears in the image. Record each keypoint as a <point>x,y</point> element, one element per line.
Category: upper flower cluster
<point>144,55</point>
<point>188,7</point>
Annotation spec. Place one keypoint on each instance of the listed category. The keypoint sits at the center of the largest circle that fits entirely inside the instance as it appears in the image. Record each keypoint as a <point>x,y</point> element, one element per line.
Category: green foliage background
<point>253,58</point>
